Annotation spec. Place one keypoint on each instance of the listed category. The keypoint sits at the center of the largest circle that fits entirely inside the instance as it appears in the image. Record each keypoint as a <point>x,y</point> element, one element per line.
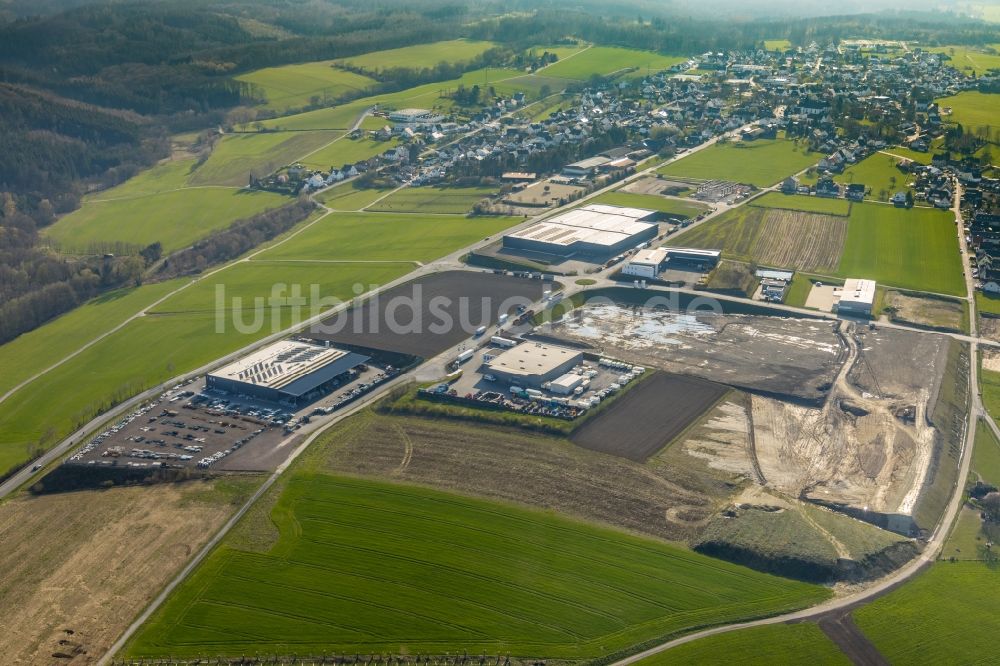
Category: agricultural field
<point>989,380</point>
<point>803,203</point>
<point>295,86</point>
<point>761,163</point>
<point>164,177</point>
<point>428,96</point>
<point>366,566</point>
<point>987,304</point>
<point>236,156</point>
<point>944,615</point>
<point>175,218</point>
<point>971,61</point>
<point>674,207</point>
<point>350,197</point>
<point>773,237</point>
<point>462,301</point>
<point>69,604</point>
<point>975,110</point>
<point>689,399</point>
<point>803,643</point>
<point>388,236</point>
<point>914,249</point>
<point>986,455</point>
<point>607,60</point>
<point>446,200</point>
<point>346,151</point>
<point>277,283</point>
<point>420,56</point>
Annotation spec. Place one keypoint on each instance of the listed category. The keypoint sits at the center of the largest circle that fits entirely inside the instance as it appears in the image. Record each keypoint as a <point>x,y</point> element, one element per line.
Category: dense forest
<point>91,90</point>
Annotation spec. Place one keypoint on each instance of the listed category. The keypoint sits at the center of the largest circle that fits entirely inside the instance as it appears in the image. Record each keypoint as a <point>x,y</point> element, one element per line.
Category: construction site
<point>867,422</point>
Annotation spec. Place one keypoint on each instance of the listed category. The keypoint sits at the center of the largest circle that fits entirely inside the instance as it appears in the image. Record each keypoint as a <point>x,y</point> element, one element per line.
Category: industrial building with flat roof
<point>532,364</point>
<point>286,371</point>
<point>857,297</point>
<point>596,229</point>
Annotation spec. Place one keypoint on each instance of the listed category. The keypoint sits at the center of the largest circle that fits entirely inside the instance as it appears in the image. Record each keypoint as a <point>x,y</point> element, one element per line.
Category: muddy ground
<point>649,416</point>
<point>795,358</point>
<point>430,314</point>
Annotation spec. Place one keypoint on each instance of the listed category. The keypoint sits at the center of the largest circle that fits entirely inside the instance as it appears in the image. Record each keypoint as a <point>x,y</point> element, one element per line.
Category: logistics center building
<point>597,229</point>
<point>531,364</point>
<point>287,371</point>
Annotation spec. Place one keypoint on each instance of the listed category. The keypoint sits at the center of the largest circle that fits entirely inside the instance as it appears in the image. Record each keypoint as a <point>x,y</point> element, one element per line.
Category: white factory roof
<point>532,358</point>
<point>653,257</point>
<point>568,382</point>
<point>598,224</point>
<point>278,365</point>
<point>858,292</point>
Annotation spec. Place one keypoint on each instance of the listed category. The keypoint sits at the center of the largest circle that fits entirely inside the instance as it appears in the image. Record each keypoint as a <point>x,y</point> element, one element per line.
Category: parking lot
<point>194,427</point>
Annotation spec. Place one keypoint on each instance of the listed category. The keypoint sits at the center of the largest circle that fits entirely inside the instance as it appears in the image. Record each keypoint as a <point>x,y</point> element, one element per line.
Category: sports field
<point>236,156</point>
<point>768,645</point>
<point>420,55</point>
<point>974,110</point>
<point>605,60</point>
<point>944,616</point>
<point>761,163</point>
<point>347,151</point>
<point>363,566</point>
<point>452,200</point>
<point>294,86</point>
<point>652,202</point>
<point>388,236</point>
<point>914,249</point>
<point>803,203</point>
<point>175,218</point>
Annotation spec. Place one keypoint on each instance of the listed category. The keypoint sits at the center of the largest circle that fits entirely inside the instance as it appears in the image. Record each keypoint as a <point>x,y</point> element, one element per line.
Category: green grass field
<point>428,96</point>
<point>367,566</point>
<point>777,44</point>
<point>914,249</point>
<point>970,61</point>
<point>176,218</point>
<point>944,616</point>
<point>878,173</point>
<point>420,55</point>
<point>349,197</point>
<point>164,177</point>
<point>987,303</point>
<point>294,86</point>
<point>452,200</point>
<point>605,60</point>
<point>989,380</point>
<point>986,455</point>
<point>761,163</point>
<point>803,203</point>
<point>758,646</point>
<point>347,151</point>
<point>279,285</point>
<point>237,155</point>
<point>918,157</point>
<point>652,202</point>
<point>388,236</point>
<point>973,110</point>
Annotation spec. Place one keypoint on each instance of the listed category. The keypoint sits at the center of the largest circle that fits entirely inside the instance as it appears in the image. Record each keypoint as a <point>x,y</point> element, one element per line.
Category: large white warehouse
<point>596,229</point>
